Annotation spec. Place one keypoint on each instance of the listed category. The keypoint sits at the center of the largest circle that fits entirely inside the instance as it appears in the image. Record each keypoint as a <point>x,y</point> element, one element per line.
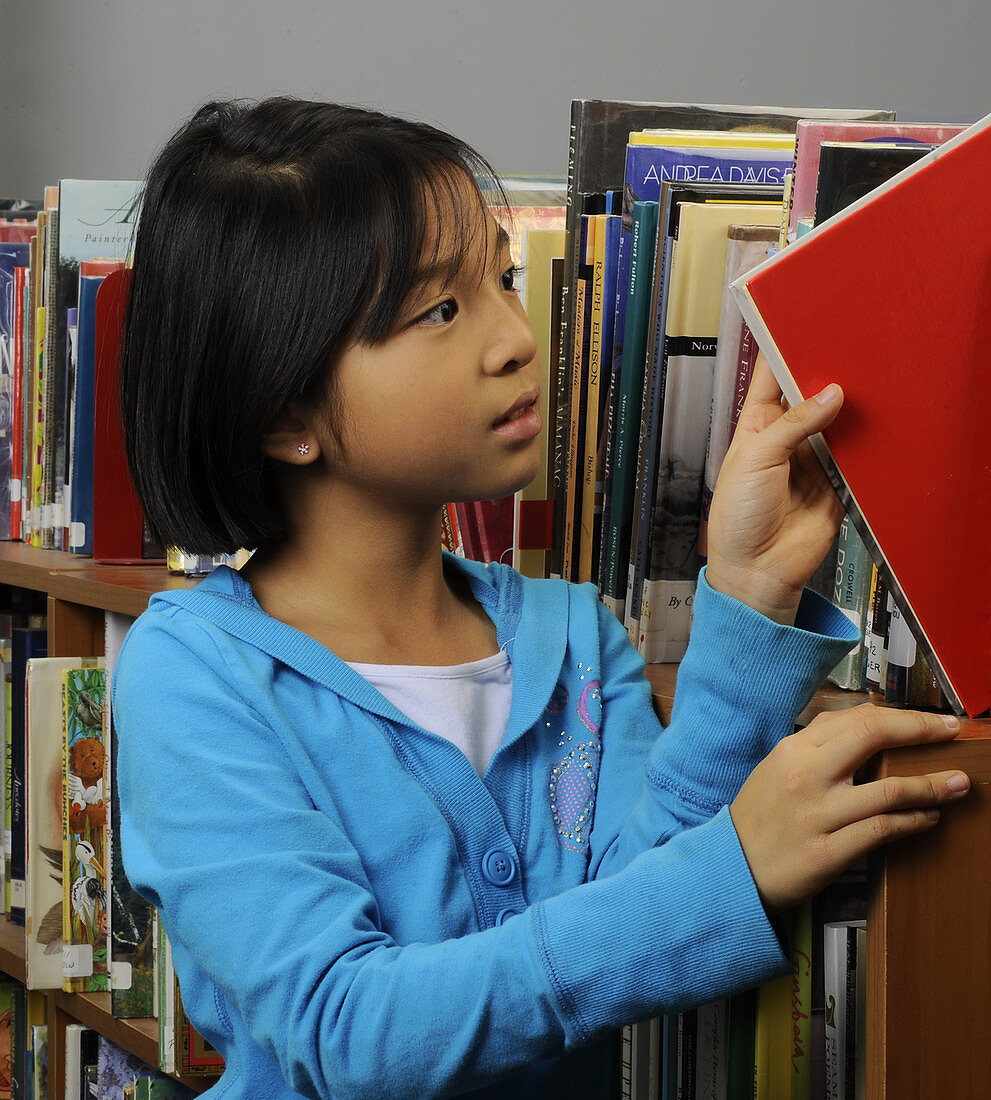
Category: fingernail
<point>958,782</point>
<point>933,815</point>
<point>828,394</point>
<point>952,721</point>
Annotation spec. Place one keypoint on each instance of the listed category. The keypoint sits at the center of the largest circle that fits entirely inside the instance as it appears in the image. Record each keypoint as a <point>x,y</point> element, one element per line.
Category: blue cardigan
<point>355,913</point>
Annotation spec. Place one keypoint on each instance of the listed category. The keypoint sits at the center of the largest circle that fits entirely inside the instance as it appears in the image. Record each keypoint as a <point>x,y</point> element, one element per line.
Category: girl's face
<point>444,408</point>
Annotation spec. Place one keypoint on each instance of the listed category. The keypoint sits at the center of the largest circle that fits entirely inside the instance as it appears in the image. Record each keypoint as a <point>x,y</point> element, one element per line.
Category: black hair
<point>272,236</point>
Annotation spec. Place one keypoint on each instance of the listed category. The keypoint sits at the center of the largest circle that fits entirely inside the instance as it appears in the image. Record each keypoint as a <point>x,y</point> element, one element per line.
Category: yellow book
<point>602,315</point>
<point>543,264</point>
<point>726,139</point>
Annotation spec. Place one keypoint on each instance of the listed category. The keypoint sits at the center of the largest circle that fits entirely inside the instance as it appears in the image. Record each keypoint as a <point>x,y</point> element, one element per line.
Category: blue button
<point>499,867</point>
<point>504,914</point>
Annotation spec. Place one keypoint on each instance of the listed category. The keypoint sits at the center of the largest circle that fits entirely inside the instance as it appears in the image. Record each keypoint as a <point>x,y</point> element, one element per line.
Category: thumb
<point>781,438</point>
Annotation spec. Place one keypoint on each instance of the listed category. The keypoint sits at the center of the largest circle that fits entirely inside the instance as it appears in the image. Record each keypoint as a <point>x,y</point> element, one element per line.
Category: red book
<point>890,299</point>
<point>118,520</point>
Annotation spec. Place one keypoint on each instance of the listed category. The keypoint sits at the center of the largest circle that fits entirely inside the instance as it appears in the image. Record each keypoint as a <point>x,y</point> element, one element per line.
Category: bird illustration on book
<point>87,893</point>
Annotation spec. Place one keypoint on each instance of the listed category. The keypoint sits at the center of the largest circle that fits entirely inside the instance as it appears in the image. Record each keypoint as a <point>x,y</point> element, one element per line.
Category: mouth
<point>522,422</point>
<point>520,409</point>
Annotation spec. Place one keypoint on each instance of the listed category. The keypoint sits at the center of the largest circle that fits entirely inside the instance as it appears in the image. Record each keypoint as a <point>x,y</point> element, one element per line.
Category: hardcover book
<point>85,913</point>
<point>43,898</point>
<point>906,422</point>
<point>811,133</point>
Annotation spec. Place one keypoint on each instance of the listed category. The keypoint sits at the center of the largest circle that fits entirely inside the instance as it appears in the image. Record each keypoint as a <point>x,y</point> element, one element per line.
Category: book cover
<point>195,1057</point>
<point>923,295</point>
<point>13,256</point>
<point>851,591</point>
<point>691,332</point>
<point>43,869</point>
<point>811,133</point>
<point>117,1070</point>
<point>85,913</point>
<point>849,170</point>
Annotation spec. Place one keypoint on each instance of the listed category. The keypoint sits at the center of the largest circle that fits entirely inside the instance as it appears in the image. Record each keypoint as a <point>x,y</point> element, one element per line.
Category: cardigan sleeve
<point>740,686</point>
<point>278,939</point>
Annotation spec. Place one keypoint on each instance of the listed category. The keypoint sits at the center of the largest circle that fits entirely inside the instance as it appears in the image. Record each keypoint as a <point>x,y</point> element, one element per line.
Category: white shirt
<point>467,704</point>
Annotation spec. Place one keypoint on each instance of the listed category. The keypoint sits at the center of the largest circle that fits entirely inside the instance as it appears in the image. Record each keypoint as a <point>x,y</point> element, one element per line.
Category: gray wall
<point>90,88</point>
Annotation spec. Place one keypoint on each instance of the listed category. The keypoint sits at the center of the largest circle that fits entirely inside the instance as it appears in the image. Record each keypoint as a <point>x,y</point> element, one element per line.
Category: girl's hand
<point>774,514</point>
<point>802,821</point>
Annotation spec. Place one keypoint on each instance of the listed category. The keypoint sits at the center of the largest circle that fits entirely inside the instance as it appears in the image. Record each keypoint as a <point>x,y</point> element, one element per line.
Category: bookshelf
<point>929,955</point>
<point>79,591</point>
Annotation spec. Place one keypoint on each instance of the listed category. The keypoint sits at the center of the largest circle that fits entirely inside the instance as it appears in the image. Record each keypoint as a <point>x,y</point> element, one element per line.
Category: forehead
<point>462,237</point>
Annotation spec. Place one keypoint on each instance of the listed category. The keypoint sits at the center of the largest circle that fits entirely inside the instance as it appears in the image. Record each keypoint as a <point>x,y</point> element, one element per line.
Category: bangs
<point>436,231</point>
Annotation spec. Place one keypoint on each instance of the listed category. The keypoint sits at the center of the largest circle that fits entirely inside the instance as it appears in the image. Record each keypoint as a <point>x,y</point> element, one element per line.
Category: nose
<point>513,343</point>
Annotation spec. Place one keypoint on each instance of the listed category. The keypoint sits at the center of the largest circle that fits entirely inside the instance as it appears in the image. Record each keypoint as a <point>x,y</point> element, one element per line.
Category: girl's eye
<point>441,314</point>
<point>510,278</point>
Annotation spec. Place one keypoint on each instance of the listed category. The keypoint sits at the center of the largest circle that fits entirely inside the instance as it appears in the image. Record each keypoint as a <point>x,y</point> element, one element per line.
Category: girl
<point>411,822</point>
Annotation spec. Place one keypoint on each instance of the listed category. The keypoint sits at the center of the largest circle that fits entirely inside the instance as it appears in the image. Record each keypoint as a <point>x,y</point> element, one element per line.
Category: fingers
<point>893,809</point>
<point>900,798</point>
<point>849,738</point>
<point>782,433</point>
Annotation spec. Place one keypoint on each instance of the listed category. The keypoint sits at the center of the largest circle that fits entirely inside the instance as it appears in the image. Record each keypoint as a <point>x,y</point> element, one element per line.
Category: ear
<point>290,438</point>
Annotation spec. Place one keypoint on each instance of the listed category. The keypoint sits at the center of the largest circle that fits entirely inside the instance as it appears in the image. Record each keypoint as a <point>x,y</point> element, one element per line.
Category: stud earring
<point>304,449</point>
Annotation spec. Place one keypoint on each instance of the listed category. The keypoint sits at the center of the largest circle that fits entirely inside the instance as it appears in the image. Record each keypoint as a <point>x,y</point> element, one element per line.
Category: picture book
<point>910,326</point>
<point>43,896</point>
<point>811,133</point>
<point>849,170</point>
<point>85,912</point>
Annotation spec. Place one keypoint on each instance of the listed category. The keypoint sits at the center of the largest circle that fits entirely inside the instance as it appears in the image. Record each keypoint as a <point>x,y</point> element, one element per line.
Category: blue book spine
<point>12,254</point>
<point>82,427</point>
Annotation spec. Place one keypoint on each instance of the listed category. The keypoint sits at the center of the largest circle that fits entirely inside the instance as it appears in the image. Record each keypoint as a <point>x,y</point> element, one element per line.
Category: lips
<point>519,409</point>
<point>522,422</point>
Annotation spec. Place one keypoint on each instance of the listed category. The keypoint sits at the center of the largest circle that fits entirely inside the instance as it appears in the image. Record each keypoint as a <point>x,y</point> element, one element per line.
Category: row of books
<point>669,204</point>
<point>800,1037</point>
<point>86,930</point>
<point>95,1067</point>
<point>63,484</point>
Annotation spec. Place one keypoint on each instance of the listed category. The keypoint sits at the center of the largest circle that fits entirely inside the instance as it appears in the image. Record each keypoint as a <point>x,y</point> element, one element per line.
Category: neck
<point>370,584</point>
